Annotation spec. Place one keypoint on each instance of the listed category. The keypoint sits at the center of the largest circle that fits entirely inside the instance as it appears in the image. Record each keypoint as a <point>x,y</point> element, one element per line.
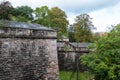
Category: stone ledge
<point>28,37</point>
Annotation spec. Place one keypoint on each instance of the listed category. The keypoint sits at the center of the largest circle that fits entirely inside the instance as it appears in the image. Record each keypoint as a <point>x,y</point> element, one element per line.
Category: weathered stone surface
<point>28,54</point>
<point>26,33</point>
<point>68,60</point>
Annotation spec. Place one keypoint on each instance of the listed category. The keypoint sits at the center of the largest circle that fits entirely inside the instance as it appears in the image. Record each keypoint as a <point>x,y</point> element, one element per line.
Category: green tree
<point>83,28</point>
<point>42,16</point>
<point>19,19</point>
<point>71,33</point>
<point>104,61</point>
<point>5,10</point>
<point>22,13</point>
<point>59,21</point>
<point>54,18</point>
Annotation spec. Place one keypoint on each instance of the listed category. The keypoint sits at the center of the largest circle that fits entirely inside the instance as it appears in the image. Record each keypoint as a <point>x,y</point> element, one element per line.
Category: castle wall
<point>28,54</point>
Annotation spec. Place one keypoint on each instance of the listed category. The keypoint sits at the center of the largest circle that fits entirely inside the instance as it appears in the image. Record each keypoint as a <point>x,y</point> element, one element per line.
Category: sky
<point>104,13</point>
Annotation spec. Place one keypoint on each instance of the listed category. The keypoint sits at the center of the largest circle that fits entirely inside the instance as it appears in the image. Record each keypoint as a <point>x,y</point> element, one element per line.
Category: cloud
<point>103,19</point>
<point>85,6</point>
<point>70,6</point>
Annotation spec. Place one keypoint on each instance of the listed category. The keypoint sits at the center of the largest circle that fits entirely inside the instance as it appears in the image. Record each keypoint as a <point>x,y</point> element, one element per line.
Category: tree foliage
<point>19,19</point>
<point>5,10</point>
<point>22,13</point>
<point>54,18</point>
<point>104,62</point>
<point>59,21</point>
<point>42,16</point>
<point>83,28</point>
<point>71,33</point>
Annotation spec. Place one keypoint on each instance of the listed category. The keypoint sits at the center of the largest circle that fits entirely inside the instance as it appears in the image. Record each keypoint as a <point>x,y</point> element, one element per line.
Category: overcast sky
<point>104,12</point>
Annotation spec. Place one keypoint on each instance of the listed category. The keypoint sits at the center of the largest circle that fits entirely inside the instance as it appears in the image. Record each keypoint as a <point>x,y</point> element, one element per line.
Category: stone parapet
<point>26,33</point>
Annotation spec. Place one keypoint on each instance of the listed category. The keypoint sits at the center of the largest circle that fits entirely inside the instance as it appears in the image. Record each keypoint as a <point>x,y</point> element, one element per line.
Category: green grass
<point>65,75</point>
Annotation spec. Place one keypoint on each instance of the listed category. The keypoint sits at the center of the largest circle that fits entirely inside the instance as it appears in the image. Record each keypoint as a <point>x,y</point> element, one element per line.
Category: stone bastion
<point>27,52</point>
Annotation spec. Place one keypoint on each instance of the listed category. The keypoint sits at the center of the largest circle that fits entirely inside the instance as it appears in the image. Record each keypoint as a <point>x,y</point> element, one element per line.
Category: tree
<point>59,21</point>
<point>42,16</point>
<point>104,62</point>
<point>83,28</point>
<point>71,33</point>
<point>54,18</point>
<point>19,19</point>
<point>22,13</point>
<point>5,10</point>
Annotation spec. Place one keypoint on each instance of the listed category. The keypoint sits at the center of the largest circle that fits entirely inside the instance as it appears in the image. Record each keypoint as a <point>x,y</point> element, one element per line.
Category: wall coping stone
<point>23,25</point>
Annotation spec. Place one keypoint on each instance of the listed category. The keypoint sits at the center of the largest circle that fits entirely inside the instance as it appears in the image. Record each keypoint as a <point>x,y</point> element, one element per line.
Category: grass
<point>65,75</point>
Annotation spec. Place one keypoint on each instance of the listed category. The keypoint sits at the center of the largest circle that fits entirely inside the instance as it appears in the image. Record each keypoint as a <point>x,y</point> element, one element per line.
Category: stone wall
<point>28,54</point>
<point>68,60</point>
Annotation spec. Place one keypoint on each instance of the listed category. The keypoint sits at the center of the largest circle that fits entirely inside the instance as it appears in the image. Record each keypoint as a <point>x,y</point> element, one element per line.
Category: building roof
<point>82,45</point>
<point>74,44</point>
<point>13,24</point>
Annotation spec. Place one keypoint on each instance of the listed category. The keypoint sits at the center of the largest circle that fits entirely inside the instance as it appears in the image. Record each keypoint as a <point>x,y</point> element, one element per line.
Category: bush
<point>104,62</point>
